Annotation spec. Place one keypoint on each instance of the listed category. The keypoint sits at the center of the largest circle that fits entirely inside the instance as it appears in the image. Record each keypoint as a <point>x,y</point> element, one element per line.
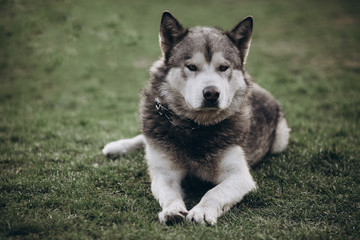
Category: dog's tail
<point>123,146</point>
<point>282,135</point>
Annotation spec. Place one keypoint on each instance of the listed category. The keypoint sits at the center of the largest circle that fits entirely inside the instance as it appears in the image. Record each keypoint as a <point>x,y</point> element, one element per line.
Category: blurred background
<point>83,56</point>
<point>85,62</point>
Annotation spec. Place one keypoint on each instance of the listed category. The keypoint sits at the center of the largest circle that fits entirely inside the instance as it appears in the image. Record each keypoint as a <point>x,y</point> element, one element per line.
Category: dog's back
<point>266,113</point>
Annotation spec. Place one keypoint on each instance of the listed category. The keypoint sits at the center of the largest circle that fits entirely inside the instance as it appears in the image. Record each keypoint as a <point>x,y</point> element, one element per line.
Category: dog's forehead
<point>207,41</point>
<point>200,58</point>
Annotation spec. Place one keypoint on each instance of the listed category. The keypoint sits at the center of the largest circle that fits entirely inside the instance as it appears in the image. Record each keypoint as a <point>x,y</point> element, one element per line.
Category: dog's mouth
<point>204,108</point>
<point>208,109</point>
<point>210,105</point>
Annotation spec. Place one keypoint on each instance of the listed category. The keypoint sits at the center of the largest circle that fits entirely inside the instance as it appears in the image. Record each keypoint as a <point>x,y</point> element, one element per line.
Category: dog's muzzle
<point>211,95</point>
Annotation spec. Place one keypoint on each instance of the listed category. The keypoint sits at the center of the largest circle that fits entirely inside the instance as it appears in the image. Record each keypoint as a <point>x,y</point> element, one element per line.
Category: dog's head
<point>206,80</point>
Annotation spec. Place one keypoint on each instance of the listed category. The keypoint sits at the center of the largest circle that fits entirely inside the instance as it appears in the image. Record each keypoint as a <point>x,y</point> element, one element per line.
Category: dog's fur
<point>201,115</point>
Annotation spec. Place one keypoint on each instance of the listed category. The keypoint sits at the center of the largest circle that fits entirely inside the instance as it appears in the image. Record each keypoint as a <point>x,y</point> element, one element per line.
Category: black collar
<point>185,124</point>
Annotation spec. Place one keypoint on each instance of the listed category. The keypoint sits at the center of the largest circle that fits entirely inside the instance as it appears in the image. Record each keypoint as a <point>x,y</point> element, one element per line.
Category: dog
<point>201,115</point>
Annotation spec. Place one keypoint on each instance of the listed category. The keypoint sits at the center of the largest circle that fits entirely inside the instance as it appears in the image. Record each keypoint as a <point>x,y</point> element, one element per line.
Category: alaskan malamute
<point>202,116</point>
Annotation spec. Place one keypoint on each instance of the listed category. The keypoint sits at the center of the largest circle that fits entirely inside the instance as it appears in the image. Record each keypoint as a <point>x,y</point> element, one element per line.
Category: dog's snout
<point>211,94</point>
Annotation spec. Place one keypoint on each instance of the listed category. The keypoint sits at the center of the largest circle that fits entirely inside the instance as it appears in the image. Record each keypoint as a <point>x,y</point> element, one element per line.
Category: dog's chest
<point>205,171</point>
<point>199,152</point>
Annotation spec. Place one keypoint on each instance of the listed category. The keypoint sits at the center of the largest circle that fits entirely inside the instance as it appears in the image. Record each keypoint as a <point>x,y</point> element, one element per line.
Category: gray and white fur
<point>202,116</point>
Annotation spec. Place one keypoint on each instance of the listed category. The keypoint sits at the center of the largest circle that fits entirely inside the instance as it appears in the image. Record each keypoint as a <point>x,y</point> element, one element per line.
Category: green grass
<point>70,77</point>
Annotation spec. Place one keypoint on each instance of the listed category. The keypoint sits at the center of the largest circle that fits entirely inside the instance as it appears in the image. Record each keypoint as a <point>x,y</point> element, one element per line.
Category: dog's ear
<point>241,36</point>
<point>171,31</point>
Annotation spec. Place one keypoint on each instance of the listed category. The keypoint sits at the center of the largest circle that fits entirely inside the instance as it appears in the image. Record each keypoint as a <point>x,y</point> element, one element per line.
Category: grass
<point>70,76</point>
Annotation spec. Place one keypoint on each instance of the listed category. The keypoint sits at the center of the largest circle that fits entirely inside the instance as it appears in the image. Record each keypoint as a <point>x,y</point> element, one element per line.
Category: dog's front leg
<point>166,180</point>
<point>234,181</point>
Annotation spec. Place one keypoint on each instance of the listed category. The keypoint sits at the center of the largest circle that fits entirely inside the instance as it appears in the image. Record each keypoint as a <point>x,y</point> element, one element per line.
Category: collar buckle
<point>163,111</point>
<point>159,107</point>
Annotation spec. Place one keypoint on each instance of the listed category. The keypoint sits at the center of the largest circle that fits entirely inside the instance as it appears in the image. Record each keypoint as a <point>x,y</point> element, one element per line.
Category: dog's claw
<point>201,215</point>
<point>172,217</point>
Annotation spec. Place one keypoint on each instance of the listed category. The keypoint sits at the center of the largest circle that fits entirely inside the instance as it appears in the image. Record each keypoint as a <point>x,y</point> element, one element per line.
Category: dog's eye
<point>192,67</point>
<point>223,68</point>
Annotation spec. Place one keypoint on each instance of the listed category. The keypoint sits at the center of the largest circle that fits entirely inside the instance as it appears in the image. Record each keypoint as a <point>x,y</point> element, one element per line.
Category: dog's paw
<point>203,214</point>
<point>116,148</point>
<point>171,216</point>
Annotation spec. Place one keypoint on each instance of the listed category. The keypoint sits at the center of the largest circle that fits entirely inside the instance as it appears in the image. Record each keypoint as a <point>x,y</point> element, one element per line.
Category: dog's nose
<point>211,94</point>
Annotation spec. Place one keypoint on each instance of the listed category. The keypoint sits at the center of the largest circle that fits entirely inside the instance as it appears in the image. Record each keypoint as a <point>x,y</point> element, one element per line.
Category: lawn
<point>70,77</point>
